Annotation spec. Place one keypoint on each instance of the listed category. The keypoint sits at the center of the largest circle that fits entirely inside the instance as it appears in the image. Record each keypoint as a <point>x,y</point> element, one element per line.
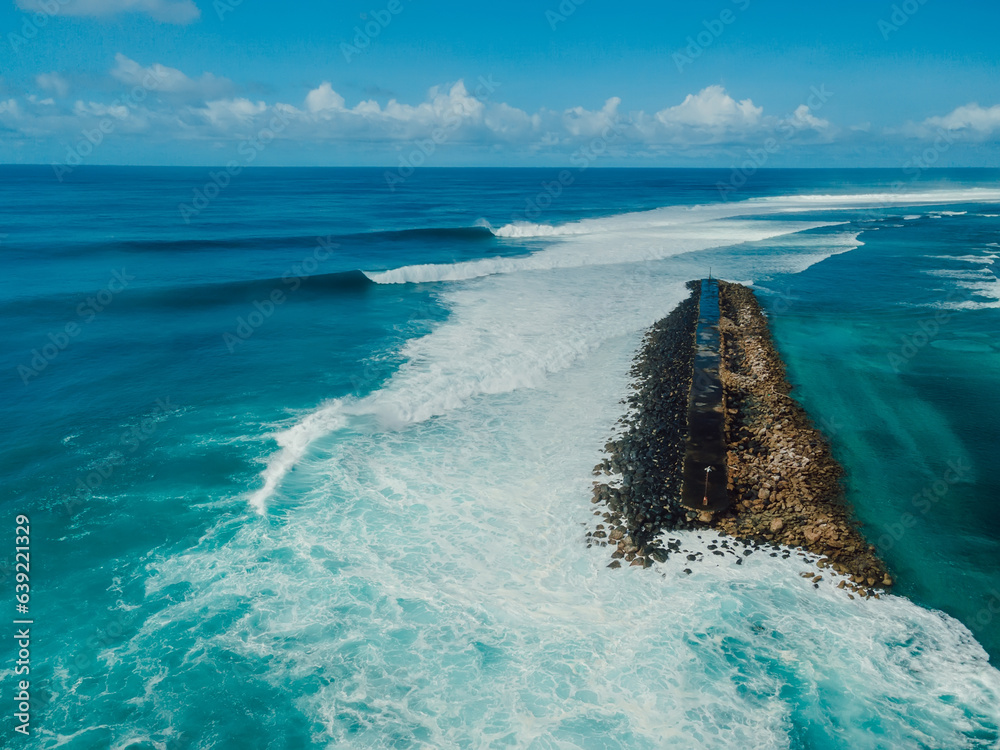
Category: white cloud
<point>53,82</point>
<point>449,108</point>
<point>166,80</point>
<point>323,98</point>
<point>587,123</point>
<point>509,122</point>
<point>452,109</point>
<point>99,109</point>
<point>230,113</point>
<point>971,120</point>
<point>803,119</point>
<point>211,108</point>
<point>712,109</point>
<point>167,11</point>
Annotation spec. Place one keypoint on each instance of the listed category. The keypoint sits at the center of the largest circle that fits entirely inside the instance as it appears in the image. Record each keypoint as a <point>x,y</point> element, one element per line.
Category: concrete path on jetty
<point>705,473</point>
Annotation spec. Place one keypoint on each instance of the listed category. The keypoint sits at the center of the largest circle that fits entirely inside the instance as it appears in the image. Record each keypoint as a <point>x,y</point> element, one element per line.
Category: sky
<point>856,83</point>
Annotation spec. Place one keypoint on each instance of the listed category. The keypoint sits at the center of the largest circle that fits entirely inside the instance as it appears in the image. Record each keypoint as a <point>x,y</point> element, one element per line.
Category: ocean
<point>307,458</point>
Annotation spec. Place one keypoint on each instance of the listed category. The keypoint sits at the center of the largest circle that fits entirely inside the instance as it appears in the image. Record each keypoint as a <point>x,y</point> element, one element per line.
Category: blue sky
<point>516,83</point>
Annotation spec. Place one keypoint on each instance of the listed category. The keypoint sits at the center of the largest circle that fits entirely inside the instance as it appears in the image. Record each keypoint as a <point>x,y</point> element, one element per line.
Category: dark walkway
<point>704,482</point>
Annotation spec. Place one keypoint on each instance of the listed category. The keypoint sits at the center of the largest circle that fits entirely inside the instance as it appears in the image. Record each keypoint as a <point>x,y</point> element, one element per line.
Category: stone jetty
<point>705,473</point>
<point>783,485</point>
<point>644,462</point>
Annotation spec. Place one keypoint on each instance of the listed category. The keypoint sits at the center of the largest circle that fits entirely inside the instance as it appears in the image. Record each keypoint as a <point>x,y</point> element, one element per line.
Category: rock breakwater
<point>644,462</point>
<point>784,484</point>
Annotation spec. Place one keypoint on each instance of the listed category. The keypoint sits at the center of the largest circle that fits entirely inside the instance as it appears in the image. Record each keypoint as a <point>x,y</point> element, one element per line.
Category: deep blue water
<point>309,469</point>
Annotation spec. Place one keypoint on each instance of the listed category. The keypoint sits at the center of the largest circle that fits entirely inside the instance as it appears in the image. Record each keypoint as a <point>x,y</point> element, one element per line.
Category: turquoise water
<point>904,381</point>
<point>317,471</point>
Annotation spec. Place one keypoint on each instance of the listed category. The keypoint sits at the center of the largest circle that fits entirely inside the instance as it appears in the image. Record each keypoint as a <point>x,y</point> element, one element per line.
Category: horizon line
<point>494,167</point>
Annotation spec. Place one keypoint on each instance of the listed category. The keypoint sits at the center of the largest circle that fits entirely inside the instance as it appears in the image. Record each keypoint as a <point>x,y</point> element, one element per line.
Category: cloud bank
<point>164,105</point>
<point>970,122</point>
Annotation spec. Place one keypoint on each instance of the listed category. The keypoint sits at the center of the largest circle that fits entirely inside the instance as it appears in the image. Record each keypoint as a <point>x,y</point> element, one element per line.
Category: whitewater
<point>423,545</point>
<point>364,526</point>
<point>511,334</point>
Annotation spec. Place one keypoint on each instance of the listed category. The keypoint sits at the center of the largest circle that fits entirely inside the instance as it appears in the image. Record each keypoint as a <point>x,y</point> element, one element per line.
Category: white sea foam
<point>423,580</point>
<point>977,274</point>
<point>663,232</point>
<point>521,229</point>
<point>988,291</point>
<point>508,351</point>
<point>605,244</point>
<point>937,197</point>
<point>976,259</point>
<point>293,442</point>
<point>512,331</point>
<point>436,587</point>
<point>982,284</point>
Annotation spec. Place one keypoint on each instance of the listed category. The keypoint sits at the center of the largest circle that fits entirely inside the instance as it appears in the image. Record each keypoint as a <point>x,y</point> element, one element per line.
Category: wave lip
<point>521,229</point>
<point>662,232</point>
<point>647,242</point>
<point>293,443</point>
